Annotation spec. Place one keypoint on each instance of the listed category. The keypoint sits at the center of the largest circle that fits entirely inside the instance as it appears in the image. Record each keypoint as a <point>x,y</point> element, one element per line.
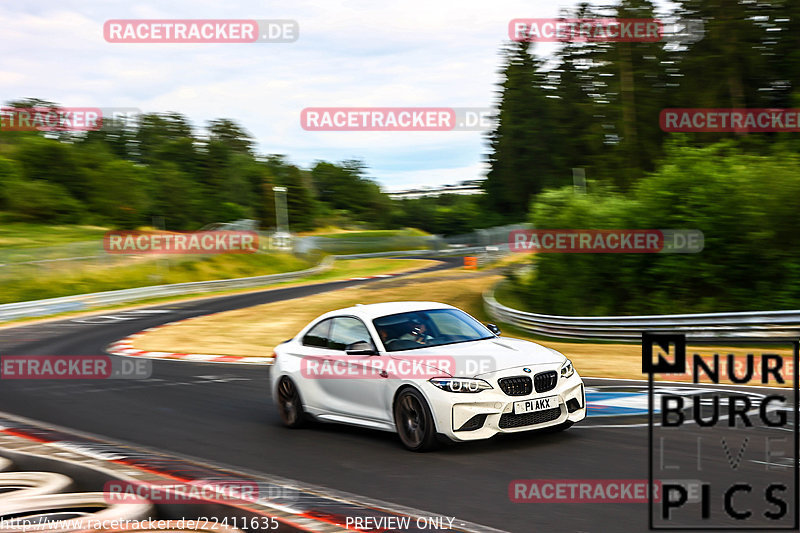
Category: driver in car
<point>417,332</point>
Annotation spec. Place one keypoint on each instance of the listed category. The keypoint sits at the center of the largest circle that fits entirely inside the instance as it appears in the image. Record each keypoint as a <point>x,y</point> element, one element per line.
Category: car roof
<point>372,311</point>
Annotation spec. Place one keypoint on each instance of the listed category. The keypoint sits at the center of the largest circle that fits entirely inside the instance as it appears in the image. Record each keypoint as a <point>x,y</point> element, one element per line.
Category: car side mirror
<point>360,348</point>
<point>493,328</point>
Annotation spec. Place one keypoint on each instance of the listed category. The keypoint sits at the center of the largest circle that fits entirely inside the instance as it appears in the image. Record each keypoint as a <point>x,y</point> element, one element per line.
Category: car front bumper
<point>466,417</point>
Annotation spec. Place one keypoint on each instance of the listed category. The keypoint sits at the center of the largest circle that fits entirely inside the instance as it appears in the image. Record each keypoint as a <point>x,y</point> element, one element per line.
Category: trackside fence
<point>741,325</point>
<point>81,302</point>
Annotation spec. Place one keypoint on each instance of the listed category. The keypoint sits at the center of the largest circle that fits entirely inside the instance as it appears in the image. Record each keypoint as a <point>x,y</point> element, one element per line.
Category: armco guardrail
<point>80,302</point>
<point>744,325</point>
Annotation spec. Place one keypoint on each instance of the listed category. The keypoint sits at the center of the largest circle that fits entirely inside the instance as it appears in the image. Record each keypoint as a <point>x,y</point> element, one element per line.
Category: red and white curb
<point>125,347</point>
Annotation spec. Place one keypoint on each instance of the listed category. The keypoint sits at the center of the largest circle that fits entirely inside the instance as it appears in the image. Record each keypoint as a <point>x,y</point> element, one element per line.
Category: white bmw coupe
<point>423,370</point>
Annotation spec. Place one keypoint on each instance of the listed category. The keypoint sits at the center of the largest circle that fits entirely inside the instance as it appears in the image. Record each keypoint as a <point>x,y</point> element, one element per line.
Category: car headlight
<point>460,384</point>
<point>567,369</point>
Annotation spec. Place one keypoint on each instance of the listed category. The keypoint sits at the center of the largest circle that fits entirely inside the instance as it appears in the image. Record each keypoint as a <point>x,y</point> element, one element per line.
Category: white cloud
<point>353,53</point>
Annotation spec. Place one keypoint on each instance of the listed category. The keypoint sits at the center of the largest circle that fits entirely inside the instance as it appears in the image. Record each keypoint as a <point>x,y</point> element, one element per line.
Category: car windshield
<point>435,327</point>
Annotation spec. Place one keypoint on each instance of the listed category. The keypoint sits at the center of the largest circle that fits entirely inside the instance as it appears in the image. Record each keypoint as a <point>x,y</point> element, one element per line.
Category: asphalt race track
<point>222,413</point>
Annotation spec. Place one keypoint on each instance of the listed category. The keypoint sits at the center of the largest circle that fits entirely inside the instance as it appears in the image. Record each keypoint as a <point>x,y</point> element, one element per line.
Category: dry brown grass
<point>254,331</point>
<point>341,270</point>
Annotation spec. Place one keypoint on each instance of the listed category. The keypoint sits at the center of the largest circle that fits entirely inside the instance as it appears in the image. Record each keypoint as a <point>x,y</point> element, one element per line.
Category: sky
<point>354,53</point>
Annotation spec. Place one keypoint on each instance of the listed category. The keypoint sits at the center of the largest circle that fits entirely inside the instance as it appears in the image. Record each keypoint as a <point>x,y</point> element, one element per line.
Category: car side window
<point>347,330</point>
<point>318,335</point>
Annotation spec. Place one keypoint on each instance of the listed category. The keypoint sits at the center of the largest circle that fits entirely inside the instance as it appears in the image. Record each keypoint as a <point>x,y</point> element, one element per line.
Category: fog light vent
<point>476,422</point>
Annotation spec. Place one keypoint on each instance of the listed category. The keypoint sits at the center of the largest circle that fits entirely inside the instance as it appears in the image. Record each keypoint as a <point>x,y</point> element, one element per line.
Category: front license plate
<point>537,404</point>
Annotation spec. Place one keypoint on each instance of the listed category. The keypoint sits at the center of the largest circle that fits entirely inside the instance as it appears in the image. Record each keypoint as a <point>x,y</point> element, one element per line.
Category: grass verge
<point>53,281</point>
<point>26,235</point>
<point>342,269</point>
<point>254,331</point>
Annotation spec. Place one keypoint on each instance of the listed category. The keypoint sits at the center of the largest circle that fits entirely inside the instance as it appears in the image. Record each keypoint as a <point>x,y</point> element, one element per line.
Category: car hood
<point>472,359</point>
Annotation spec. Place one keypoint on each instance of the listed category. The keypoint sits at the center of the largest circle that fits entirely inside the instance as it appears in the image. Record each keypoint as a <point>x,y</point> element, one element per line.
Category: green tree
<point>229,133</point>
<point>119,194</point>
<point>345,187</point>
<point>52,161</point>
<point>633,95</point>
<point>41,201</point>
<point>10,172</point>
<point>175,197</point>
<point>730,65</point>
<point>742,204</point>
<point>522,144</point>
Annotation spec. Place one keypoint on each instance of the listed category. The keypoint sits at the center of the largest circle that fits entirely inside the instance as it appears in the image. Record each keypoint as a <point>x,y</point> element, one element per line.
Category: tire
<point>290,406</point>
<point>19,485</point>
<point>76,511</point>
<point>414,421</point>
